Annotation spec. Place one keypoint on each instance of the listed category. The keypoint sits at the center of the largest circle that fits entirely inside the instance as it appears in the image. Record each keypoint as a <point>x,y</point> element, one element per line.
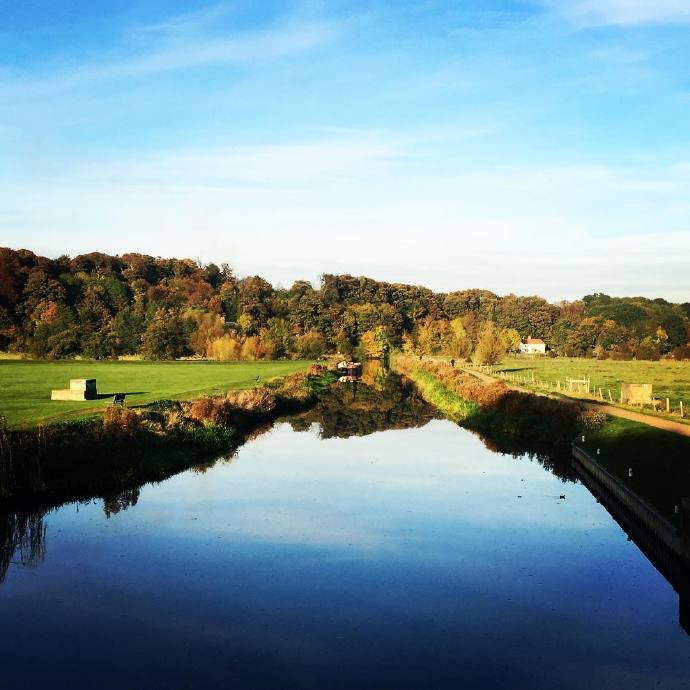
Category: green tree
<point>167,336</point>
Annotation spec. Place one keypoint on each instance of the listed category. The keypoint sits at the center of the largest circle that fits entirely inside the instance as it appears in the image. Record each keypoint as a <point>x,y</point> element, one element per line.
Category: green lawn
<point>25,385</point>
<point>669,379</point>
<point>660,461</point>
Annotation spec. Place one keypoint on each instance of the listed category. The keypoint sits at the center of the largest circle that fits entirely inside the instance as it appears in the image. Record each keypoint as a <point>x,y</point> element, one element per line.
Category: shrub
<point>210,410</point>
<point>122,420</point>
<point>255,400</point>
<point>591,420</point>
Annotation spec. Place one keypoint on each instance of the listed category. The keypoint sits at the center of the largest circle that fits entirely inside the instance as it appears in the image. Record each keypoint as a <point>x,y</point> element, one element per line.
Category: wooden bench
<point>118,399</point>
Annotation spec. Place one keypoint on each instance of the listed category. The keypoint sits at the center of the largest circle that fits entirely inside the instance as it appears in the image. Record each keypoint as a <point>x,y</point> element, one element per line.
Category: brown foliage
<point>121,420</point>
<point>254,400</point>
<point>210,410</point>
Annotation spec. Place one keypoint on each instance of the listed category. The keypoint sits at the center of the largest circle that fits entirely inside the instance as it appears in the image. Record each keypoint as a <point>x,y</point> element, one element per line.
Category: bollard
<point>629,471</point>
<point>668,409</point>
<point>598,451</point>
<point>583,438</point>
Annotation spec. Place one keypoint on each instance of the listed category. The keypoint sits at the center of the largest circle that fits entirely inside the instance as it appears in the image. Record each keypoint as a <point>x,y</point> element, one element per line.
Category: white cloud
<point>586,13</point>
<point>284,210</point>
<point>290,165</point>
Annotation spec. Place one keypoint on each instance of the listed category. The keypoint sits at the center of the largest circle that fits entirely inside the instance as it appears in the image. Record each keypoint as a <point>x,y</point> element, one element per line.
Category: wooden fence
<point>582,388</point>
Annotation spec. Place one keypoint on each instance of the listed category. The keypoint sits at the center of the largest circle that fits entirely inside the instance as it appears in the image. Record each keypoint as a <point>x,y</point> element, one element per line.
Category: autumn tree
<point>491,344</point>
<point>167,336</point>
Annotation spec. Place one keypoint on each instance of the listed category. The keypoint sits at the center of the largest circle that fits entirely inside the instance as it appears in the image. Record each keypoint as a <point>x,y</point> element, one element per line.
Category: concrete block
<point>68,394</point>
<point>79,389</point>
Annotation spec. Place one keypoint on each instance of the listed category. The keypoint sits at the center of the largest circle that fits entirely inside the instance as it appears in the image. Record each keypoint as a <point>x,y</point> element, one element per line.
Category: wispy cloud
<point>585,13</point>
<point>181,42</point>
<point>350,156</point>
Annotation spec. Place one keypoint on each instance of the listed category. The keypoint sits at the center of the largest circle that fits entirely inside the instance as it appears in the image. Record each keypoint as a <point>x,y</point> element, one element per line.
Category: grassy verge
<point>25,385</point>
<point>447,402</point>
<point>660,461</point>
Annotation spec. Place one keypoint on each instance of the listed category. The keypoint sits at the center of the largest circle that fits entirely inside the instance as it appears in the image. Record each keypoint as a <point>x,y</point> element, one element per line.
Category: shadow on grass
<point>105,396</point>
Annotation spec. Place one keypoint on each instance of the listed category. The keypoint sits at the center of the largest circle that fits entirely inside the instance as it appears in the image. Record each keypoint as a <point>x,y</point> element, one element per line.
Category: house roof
<point>533,341</point>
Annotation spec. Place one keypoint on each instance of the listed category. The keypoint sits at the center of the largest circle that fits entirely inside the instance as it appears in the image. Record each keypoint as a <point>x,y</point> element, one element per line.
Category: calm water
<point>409,558</point>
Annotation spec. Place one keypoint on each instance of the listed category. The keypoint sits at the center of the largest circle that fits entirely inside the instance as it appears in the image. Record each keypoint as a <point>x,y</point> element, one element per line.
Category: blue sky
<point>538,147</point>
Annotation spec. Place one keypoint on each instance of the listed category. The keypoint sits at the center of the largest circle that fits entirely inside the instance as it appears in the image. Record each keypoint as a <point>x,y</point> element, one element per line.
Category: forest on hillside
<point>100,306</point>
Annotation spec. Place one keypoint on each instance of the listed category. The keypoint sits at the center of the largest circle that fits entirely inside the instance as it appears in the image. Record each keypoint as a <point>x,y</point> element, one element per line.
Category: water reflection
<point>22,539</point>
<point>112,505</point>
<point>419,557</point>
<point>401,559</point>
<point>378,401</point>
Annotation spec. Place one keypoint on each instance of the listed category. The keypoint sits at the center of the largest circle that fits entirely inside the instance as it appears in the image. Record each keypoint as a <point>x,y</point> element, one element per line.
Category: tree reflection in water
<point>22,539</point>
<point>379,401</point>
<point>382,400</point>
<point>115,504</point>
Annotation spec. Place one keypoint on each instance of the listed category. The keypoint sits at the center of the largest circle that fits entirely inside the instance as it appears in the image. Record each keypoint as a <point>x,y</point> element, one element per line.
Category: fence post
<point>668,405</point>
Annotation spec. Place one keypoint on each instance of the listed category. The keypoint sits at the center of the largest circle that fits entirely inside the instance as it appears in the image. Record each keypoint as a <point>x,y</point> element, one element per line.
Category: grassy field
<point>659,460</point>
<point>669,379</point>
<point>25,385</point>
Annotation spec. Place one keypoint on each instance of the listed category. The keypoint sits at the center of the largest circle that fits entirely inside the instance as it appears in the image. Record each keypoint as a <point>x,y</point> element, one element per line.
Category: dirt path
<point>665,424</point>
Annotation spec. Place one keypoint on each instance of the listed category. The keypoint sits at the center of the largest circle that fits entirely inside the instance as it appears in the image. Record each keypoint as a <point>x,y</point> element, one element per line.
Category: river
<point>361,548</point>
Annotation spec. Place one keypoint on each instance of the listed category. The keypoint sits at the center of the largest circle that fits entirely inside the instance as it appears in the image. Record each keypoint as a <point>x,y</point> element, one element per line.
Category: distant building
<point>532,346</point>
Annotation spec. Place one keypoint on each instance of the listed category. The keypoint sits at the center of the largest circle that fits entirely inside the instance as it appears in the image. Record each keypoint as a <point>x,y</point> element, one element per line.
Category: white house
<point>532,346</point>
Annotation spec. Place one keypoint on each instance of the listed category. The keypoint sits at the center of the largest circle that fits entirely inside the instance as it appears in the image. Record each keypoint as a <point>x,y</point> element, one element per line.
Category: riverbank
<point>26,385</point>
<point>125,447</point>
<point>494,407</point>
<point>658,459</point>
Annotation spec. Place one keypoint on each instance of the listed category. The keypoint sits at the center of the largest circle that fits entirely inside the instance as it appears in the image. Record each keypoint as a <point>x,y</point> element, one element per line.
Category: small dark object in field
<point>562,496</point>
<point>519,496</point>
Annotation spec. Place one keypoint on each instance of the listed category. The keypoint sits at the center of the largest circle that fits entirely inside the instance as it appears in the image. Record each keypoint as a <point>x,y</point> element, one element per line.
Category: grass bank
<point>125,447</point>
<point>445,400</point>
<point>25,385</point>
<point>494,407</point>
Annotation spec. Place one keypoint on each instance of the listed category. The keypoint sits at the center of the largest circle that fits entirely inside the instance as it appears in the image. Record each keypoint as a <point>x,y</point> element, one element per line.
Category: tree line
<point>100,306</point>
